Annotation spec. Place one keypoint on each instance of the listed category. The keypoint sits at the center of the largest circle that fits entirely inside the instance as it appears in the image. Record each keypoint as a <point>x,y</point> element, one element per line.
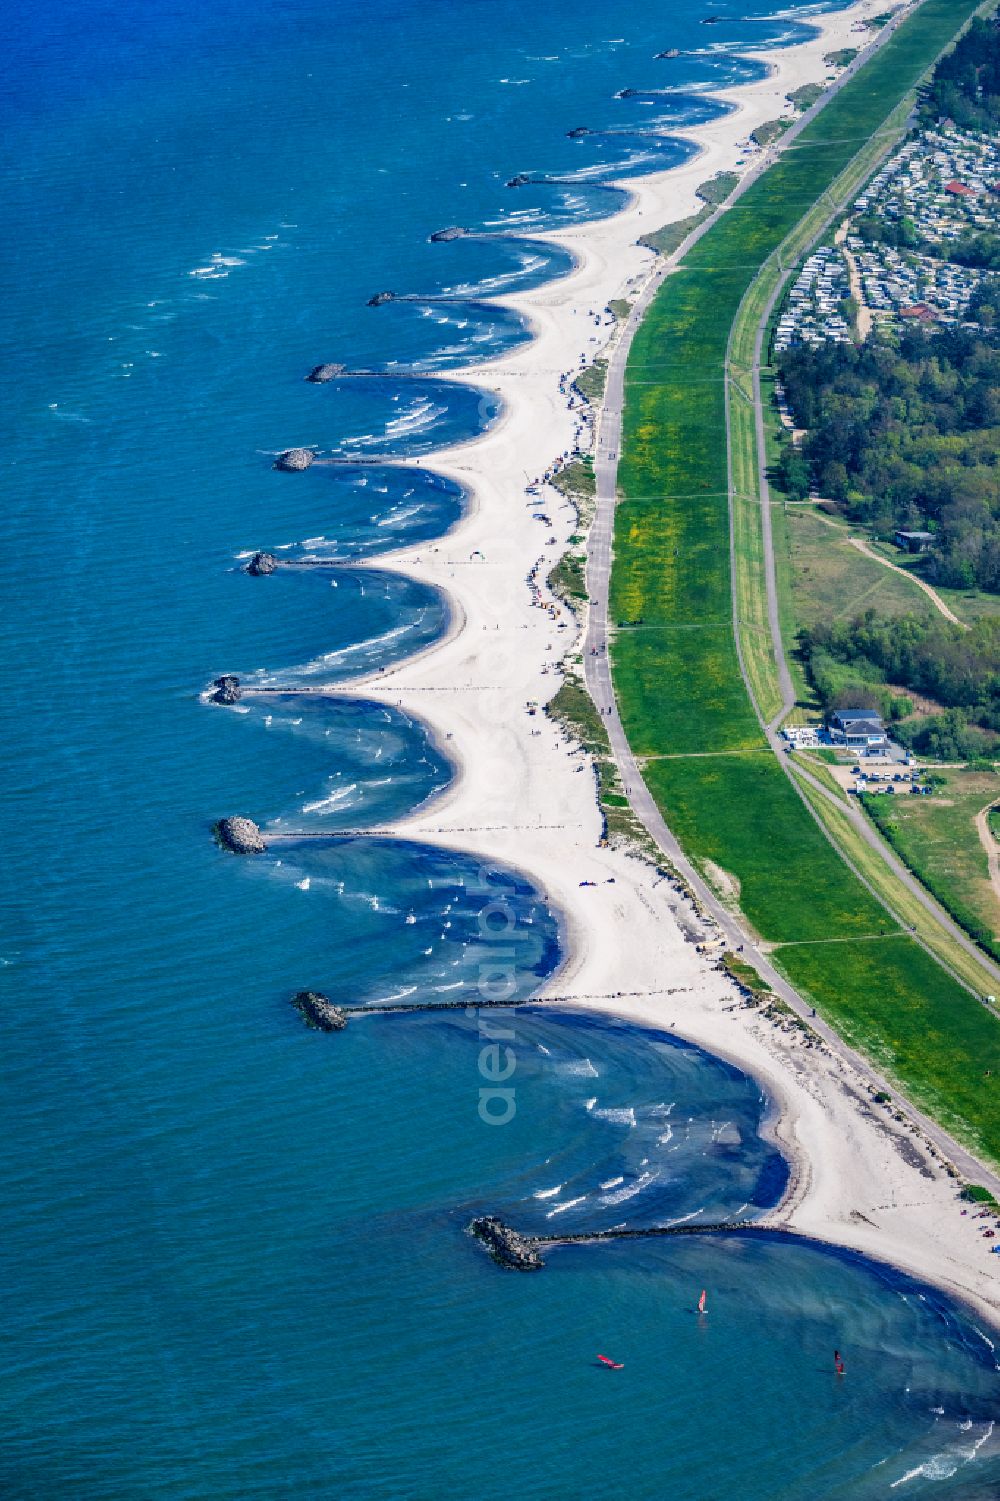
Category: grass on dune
<point>672,576</point>
<point>671,442</point>
<point>889,999</point>
<point>666,240</point>
<point>705,698</point>
<point>742,813</point>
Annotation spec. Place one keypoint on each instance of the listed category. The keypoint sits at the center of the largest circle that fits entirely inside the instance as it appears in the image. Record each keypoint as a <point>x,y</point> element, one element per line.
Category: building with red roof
<point>920,310</point>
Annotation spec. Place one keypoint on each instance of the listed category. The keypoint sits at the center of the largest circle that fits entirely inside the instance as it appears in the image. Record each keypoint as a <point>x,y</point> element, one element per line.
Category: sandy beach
<point>523,794</point>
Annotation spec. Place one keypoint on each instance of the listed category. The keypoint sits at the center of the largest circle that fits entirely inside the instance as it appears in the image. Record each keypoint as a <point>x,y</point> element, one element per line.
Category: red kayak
<point>615,1365</point>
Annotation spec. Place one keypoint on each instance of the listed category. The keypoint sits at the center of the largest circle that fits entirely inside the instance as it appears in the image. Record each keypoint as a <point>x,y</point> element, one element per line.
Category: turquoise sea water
<point>234,1258</point>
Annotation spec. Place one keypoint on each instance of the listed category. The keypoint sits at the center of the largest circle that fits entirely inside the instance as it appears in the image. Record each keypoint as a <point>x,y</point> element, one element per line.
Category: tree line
<point>905,438</point>
<point>965,87</point>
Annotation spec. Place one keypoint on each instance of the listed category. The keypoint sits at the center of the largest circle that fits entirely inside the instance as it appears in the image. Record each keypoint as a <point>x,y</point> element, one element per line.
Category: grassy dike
<point>676,670</point>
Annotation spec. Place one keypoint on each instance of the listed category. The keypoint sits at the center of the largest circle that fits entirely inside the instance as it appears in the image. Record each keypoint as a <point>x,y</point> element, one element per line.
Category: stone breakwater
<point>523,179</point>
<point>417,1006</point>
<point>240,835</point>
<point>453,232</point>
<point>321,373</point>
<point>227,689</point>
<point>508,1247</point>
<point>319,1012</point>
<point>471,1008</point>
<point>294,459</point>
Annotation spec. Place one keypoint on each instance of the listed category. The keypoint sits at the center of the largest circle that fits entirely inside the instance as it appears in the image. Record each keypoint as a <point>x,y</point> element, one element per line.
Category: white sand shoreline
<point>524,796</point>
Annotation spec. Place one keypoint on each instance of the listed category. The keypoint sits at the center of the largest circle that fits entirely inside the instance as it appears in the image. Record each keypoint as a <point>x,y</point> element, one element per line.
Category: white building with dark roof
<point>857,729</point>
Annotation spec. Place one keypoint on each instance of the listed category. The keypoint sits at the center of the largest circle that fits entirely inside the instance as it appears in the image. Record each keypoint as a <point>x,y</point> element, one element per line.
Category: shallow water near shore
<point>236,1253</point>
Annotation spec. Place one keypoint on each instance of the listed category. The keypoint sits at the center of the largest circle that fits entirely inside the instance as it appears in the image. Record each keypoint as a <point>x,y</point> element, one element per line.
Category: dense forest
<point>984,307</point>
<point>965,87</point>
<point>906,437</point>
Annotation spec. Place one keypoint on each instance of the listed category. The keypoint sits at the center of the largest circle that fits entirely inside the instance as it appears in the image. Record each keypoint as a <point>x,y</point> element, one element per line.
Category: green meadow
<point>706,694</point>
<point>938,839</point>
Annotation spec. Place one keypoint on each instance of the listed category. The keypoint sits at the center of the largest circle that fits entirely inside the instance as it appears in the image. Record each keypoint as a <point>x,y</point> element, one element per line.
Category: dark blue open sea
<point>234,1260</point>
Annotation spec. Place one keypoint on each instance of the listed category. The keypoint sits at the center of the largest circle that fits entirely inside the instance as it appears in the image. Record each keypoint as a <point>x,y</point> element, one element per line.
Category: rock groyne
<point>319,1012</point>
<point>320,373</point>
<point>508,1247</point>
<point>652,1232</point>
<point>518,1252</point>
<point>240,835</point>
<point>294,459</point>
<point>227,689</point>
